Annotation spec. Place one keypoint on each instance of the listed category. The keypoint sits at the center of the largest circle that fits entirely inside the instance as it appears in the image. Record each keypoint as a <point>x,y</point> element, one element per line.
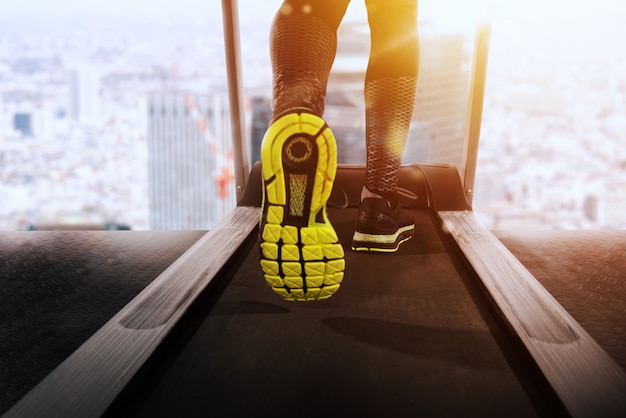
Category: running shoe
<point>381,225</point>
<point>301,257</point>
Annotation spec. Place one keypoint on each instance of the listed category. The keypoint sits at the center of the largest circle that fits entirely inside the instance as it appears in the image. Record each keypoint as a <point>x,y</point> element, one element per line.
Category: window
<point>119,115</point>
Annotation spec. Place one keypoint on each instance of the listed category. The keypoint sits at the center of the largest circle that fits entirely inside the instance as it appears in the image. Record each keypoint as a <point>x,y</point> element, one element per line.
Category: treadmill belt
<point>402,337</point>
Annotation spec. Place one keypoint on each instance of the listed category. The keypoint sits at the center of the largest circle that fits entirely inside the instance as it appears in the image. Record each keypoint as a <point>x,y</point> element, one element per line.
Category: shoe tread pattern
<point>301,256</point>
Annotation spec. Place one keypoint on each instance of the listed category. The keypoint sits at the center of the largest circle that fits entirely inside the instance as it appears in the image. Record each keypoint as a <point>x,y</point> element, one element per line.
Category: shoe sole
<point>301,257</point>
<point>381,243</point>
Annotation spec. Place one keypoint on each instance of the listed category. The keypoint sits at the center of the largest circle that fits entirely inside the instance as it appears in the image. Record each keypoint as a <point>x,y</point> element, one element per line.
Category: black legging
<point>303,48</point>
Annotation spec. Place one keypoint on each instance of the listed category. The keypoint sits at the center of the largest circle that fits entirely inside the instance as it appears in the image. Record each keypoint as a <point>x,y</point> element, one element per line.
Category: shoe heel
<point>300,253</point>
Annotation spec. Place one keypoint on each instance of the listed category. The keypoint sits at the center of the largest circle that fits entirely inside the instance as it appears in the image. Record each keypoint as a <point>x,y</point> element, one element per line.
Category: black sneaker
<point>301,256</point>
<point>381,225</point>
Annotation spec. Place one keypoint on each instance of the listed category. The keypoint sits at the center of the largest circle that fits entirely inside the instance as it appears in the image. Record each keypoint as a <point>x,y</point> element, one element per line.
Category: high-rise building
<point>190,176</point>
<point>440,114</point>
<point>438,128</point>
<point>84,94</point>
<point>22,122</point>
<point>3,123</point>
<point>608,209</point>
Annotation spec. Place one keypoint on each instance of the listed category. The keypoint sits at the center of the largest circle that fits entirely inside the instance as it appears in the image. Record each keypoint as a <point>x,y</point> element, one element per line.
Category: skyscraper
<point>3,123</point>
<point>22,122</point>
<point>440,115</point>
<point>189,160</point>
<point>84,94</point>
<point>438,128</point>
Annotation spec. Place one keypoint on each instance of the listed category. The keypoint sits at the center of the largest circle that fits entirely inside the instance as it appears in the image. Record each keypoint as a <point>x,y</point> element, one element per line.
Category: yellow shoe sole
<point>301,257</point>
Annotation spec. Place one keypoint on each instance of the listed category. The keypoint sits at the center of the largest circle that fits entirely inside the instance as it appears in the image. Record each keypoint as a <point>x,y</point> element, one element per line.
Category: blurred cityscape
<point>122,121</point>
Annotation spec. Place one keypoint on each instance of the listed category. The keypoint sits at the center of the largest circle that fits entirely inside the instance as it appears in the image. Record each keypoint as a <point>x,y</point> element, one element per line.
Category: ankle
<point>390,196</point>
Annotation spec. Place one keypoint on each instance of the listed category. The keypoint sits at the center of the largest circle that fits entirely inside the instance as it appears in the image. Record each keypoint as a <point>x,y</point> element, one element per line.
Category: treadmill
<point>127,323</point>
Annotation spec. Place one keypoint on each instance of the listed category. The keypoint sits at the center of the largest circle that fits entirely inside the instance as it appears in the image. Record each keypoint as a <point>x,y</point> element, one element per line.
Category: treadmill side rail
<point>587,380</point>
<point>89,380</point>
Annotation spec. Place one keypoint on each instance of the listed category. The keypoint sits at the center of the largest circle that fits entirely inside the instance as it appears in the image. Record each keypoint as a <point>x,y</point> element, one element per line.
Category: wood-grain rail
<point>587,380</point>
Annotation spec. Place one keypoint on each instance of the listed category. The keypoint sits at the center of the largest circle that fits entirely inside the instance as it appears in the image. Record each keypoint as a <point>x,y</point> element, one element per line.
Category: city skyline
<point>556,93</point>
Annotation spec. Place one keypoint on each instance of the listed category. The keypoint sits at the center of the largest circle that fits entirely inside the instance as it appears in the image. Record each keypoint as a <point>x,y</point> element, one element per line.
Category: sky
<point>130,8</point>
<point>554,32</point>
<point>452,8</point>
<point>542,12</point>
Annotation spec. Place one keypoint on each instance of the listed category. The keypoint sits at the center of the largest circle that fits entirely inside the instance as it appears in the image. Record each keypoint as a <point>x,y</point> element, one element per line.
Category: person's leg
<point>301,256</point>
<point>390,87</point>
<point>303,48</point>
